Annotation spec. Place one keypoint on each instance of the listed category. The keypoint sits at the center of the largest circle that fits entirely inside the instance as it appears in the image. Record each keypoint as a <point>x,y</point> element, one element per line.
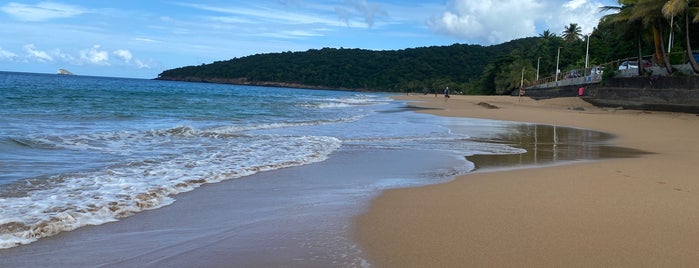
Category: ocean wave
<point>41,208</point>
<point>127,143</point>
<point>24,142</point>
<point>344,102</point>
<point>267,126</point>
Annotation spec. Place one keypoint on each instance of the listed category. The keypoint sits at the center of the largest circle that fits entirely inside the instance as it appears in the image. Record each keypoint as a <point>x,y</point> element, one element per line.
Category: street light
<point>537,68</point>
<point>558,56</point>
<point>587,52</point>
<point>672,33</point>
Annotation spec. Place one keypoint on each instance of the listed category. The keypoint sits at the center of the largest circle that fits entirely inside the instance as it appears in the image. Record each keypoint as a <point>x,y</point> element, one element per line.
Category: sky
<point>142,38</point>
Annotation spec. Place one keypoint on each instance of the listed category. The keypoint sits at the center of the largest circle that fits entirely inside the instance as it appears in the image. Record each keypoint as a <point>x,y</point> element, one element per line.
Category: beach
<point>627,212</point>
<point>112,172</point>
<point>139,182</point>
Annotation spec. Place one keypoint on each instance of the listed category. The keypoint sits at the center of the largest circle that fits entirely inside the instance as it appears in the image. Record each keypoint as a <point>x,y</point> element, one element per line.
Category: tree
<point>649,12</point>
<point>623,17</point>
<point>684,7</point>
<point>572,33</point>
<point>547,34</point>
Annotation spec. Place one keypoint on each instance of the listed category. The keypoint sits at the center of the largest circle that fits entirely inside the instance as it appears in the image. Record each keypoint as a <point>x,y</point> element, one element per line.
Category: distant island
<point>64,72</point>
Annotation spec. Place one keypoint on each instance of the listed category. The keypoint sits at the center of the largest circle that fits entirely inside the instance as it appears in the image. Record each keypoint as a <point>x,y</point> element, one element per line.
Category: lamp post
<point>537,68</point>
<point>587,52</point>
<point>558,57</point>
<point>669,41</point>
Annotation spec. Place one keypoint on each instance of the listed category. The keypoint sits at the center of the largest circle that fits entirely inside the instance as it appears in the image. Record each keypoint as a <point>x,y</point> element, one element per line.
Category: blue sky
<point>141,38</point>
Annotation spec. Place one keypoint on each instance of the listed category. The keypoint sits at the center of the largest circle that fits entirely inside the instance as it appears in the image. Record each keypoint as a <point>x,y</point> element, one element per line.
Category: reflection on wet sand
<point>545,145</point>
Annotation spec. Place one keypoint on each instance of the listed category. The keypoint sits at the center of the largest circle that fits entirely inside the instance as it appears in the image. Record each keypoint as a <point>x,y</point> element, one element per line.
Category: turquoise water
<point>77,151</point>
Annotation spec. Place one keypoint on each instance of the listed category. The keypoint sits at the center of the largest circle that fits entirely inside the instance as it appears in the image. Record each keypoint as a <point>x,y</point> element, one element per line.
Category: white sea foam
<point>279,125</point>
<point>348,101</point>
<point>156,165</point>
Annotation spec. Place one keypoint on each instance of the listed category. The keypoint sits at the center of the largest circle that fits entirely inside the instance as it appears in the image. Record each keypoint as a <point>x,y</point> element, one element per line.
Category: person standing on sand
<point>446,94</point>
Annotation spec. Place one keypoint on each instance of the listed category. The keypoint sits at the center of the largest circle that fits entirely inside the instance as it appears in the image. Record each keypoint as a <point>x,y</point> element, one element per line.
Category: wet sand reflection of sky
<point>548,145</point>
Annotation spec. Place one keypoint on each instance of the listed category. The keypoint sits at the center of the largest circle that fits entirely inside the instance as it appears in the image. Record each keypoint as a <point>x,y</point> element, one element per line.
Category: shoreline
<point>618,212</point>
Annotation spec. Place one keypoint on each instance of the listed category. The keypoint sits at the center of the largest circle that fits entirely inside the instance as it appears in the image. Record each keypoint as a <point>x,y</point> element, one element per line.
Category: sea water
<point>77,151</point>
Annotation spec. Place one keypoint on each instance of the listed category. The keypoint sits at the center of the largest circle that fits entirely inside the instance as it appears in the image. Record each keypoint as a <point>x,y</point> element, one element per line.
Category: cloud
<point>364,9</point>
<point>65,57</point>
<point>293,34</point>
<point>260,14</point>
<point>90,56</point>
<point>575,4</point>
<point>585,13</point>
<point>42,11</point>
<point>127,57</point>
<point>141,65</point>
<point>7,55</point>
<point>123,54</point>
<point>497,21</point>
<point>39,55</point>
<point>145,40</point>
<point>95,56</point>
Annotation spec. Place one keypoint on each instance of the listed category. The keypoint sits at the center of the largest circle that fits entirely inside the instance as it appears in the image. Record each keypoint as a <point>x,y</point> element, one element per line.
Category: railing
<point>594,74</point>
<point>572,77</point>
<point>586,76</point>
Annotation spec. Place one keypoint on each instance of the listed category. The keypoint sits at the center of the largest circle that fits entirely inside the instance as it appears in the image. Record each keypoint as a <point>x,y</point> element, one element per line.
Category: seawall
<point>655,93</point>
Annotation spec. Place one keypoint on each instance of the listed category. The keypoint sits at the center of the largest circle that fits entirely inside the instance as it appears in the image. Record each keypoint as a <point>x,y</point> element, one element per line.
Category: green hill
<point>414,69</point>
<point>467,69</point>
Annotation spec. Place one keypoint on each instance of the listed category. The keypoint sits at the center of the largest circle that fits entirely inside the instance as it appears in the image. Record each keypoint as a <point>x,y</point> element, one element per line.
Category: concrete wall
<point>554,92</point>
<point>659,82</point>
<point>657,93</point>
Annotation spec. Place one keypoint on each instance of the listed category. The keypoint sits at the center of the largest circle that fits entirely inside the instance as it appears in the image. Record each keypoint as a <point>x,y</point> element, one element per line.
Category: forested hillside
<point>468,69</point>
<point>414,69</point>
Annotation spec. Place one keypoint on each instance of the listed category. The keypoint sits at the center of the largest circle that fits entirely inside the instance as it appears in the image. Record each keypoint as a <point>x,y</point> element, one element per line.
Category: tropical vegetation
<point>635,29</point>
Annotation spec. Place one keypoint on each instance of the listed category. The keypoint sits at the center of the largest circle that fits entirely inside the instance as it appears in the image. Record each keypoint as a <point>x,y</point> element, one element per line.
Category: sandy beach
<point>631,212</point>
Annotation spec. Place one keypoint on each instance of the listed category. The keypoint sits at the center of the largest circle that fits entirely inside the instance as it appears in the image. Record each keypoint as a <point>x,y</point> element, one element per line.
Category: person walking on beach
<point>446,94</point>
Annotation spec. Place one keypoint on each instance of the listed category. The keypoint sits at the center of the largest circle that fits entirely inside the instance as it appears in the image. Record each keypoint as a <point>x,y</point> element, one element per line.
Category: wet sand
<point>301,216</point>
<point>627,212</point>
<point>292,217</point>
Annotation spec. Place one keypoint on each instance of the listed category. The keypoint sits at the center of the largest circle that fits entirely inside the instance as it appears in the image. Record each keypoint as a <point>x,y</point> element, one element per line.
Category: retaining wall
<point>657,93</point>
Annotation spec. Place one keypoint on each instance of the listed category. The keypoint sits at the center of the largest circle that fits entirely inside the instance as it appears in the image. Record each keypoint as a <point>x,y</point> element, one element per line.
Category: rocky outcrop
<point>64,72</point>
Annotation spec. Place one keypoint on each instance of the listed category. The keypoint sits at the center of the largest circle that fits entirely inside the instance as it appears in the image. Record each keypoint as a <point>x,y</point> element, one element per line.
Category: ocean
<point>78,151</point>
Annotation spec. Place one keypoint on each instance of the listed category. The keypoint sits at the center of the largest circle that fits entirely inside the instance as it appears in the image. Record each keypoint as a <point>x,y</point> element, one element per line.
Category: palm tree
<point>623,17</point>
<point>649,12</point>
<point>547,34</point>
<point>572,33</point>
<point>685,7</point>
